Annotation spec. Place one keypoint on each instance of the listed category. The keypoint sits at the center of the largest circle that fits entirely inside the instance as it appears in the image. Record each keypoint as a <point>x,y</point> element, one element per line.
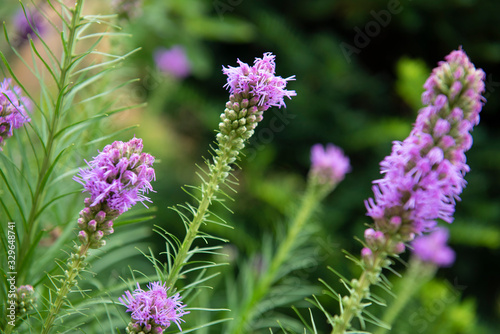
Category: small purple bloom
<point>13,110</point>
<point>329,164</point>
<point>173,61</point>
<point>259,82</point>
<point>119,176</point>
<point>154,308</point>
<point>433,248</point>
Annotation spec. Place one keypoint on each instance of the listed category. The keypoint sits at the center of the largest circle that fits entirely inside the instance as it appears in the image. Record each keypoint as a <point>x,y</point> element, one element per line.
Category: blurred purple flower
<point>13,109</point>
<point>433,248</point>
<point>173,61</point>
<point>27,24</point>
<point>259,82</point>
<point>153,309</point>
<point>329,164</point>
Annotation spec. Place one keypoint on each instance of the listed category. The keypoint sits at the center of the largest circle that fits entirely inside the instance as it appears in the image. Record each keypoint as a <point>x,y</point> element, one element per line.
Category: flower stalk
<point>328,168</point>
<point>116,180</point>
<point>424,176</point>
<point>253,90</point>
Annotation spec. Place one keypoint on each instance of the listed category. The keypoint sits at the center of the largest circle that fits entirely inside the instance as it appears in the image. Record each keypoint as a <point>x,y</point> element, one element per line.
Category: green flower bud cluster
<point>239,119</point>
<point>134,328</point>
<point>25,300</point>
<point>238,123</point>
<point>95,222</point>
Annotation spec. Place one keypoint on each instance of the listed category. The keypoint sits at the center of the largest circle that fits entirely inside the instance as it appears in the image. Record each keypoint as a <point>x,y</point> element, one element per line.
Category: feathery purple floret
<point>154,307</point>
<point>329,164</point>
<point>259,81</point>
<point>433,248</point>
<point>424,175</point>
<point>13,110</point>
<point>119,176</point>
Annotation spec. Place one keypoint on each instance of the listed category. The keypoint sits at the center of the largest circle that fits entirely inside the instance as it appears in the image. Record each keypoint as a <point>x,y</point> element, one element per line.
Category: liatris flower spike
<point>116,180</point>
<point>423,176</point>
<point>152,311</point>
<point>328,165</point>
<point>253,90</point>
<point>13,109</point>
<point>433,249</point>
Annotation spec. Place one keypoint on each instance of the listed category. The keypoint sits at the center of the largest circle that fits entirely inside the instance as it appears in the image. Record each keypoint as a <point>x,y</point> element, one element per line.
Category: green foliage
<point>411,73</point>
<point>72,102</point>
<point>361,105</point>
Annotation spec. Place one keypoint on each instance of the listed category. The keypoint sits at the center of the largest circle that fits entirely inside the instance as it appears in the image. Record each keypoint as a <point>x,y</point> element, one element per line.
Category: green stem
<point>217,172</point>
<point>352,305</point>
<point>310,202</point>
<point>77,265</point>
<point>417,275</point>
<point>31,224</point>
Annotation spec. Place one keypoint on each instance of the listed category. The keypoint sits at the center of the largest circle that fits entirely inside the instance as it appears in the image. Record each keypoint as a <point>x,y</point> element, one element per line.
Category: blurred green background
<point>360,94</point>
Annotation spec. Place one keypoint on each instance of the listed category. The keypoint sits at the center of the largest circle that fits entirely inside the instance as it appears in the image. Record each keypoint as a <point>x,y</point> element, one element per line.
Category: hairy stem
<point>309,204</point>
<point>75,265</point>
<point>218,172</point>
<point>352,305</point>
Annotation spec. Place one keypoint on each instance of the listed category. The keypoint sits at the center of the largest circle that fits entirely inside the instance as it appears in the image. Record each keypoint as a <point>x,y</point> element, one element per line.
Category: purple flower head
<point>424,175</point>
<point>259,82</point>
<point>329,164</point>
<point>118,176</point>
<point>154,308</point>
<point>173,61</point>
<point>433,248</point>
<point>27,25</point>
<point>13,110</point>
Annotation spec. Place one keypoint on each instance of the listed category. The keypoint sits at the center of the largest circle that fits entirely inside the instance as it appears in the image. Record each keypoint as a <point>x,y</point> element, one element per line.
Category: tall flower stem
<point>76,264</point>
<point>253,90</point>
<point>423,176</point>
<point>360,289</point>
<point>219,170</point>
<point>309,204</point>
<point>67,63</point>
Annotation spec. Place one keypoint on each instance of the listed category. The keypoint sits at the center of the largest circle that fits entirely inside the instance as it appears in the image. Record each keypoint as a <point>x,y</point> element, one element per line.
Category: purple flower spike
<point>433,248</point>
<point>259,82</point>
<point>424,175</point>
<point>119,176</point>
<point>173,61</point>
<point>153,308</point>
<point>329,164</point>
<point>116,180</point>
<point>13,110</point>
